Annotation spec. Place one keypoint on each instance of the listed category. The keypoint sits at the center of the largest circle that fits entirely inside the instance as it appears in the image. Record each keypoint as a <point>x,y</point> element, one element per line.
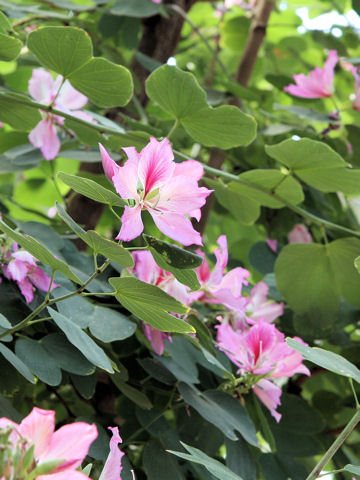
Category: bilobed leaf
<point>215,467</point>
<point>16,114</point>
<point>81,341</point>
<point>40,252</point>
<point>179,94</point>
<point>150,304</point>
<point>108,325</point>
<point>173,255</point>
<point>240,205</point>
<point>62,49</point>
<point>326,359</point>
<point>135,8</point>
<point>104,83</point>
<point>9,47</point>
<point>91,189</point>
<point>39,361</point>
<point>5,25</point>
<point>4,322</point>
<point>354,469</point>
<point>16,363</point>
<point>236,450</point>
<point>160,465</point>
<point>317,165</point>
<point>138,397</point>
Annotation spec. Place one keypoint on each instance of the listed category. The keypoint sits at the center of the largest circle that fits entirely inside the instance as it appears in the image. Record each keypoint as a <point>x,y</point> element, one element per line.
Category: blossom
<point>220,287</point>
<point>148,271</point>
<point>356,96</point>
<point>169,191</point>
<point>261,350</point>
<point>20,266</point>
<point>319,82</point>
<point>69,444</point>
<point>299,234</point>
<point>272,244</point>
<point>260,308</point>
<point>241,3</point>
<point>44,89</point>
<point>112,468</point>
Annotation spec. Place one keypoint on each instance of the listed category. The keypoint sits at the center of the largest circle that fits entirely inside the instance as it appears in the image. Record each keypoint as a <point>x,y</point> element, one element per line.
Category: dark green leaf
<point>9,47</point>
<point>16,363</point>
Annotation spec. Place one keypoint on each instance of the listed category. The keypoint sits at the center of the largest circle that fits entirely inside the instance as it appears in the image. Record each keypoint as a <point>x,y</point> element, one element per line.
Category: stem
<point>98,294</point>
<point>331,472</point>
<point>173,128</point>
<point>354,393</point>
<point>335,446</point>
<point>140,111</point>
<point>113,211</point>
<point>46,303</point>
<point>213,52</point>
<point>57,93</point>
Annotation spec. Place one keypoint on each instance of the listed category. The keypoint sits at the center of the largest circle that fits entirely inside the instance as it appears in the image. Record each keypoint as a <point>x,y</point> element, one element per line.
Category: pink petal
<point>42,281</point>
<point>270,396</point>
<point>84,116</point>
<point>156,164</point>
<point>299,234</point>
<point>190,168</point>
<point>66,475</point>
<point>109,166</point>
<point>24,256</point>
<point>27,289</point>
<point>156,338</point>
<point>44,136</point>
<point>272,244</point>
<point>41,86</point>
<point>145,267</point>
<point>125,178</point>
<point>112,468</point>
<point>132,225</point>
<point>17,270</point>
<point>38,427</point>
<point>177,227</point>
<point>268,312</point>
<point>222,257</point>
<point>71,98</point>
<point>70,442</point>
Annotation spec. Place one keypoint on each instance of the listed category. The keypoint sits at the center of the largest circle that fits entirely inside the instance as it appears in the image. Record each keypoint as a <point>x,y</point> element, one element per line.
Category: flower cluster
<point>34,449</point>
<point>21,267</point>
<point>62,96</point>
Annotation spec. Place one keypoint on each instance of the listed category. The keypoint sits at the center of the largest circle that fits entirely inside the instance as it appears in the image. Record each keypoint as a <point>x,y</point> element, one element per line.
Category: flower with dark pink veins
<point>21,267</point>
<point>169,191</point>
<point>66,448</point>
<point>148,271</point>
<point>261,351</point>
<point>318,83</point>
<point>44,89</point>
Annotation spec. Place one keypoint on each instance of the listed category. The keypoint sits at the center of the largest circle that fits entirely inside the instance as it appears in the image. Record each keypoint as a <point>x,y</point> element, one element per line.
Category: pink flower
<point>112,468</point>
<point>156,1</point>
<point>22,269</point>
<point>220,287</point>
<point>44,89</point>
<point>148,271</point>
<point>319,82</point>
<point>269,394</point>
<point>261,350</point>
<point>169,191</point>
<point>260,308</point>
<point>299,234</point>
<point>356,96</point>
<point>272,244</point>
<point>70,443</point>
<point>241,3</point>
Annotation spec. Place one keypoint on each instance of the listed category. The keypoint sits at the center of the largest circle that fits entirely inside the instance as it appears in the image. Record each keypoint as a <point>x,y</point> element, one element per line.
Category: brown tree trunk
<point>255,39</point>
<point>159,41</point>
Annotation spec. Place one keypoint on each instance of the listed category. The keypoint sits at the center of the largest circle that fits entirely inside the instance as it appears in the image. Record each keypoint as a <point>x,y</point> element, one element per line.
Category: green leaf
<point>66,355</point>
<point>317,165</point>
<point>40,252</point>
<point>4,322</point>
<point>326,359</point>
<point>108,325</point>
<point>150,304</point>
<point>16,363</point>
<point>357,264</point>
<point>301,112</point>
<point>158,464</point>
<point>139,398</point>
<point>91,189</point>
<point>179,94</point>
<point>216,468</point>
<point>82,341</point>
<point>236,450</point>
<point>39,361</point>
<point>9,47</point>
<point>62,49</point>
<point>223,127</point>
<point>135,8</point>
<point>104,83</point>
<point>355,469</point>
<point>5,25</point>
<point>222,410</point>
<point>243,208</point>
<point>299,417</point>
<point>173,255</point>
<point>17,115</point>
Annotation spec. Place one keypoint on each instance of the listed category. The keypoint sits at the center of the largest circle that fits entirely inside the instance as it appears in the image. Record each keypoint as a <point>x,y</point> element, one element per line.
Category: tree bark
<point>255,39</point>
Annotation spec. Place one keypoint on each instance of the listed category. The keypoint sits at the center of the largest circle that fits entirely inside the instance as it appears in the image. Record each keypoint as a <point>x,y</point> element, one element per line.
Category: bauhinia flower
<point>112,468</point>
<point>318,83</point>
<point>44,89</point>
<point>220,287</point>
<point>261,351</point>
<point>299,234</point>
<point>169,191</point>
<point>148,271</point>
<point>356,96</point>
<point>65,448</point>
<point>21,267</point>
<point>260,308</point>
